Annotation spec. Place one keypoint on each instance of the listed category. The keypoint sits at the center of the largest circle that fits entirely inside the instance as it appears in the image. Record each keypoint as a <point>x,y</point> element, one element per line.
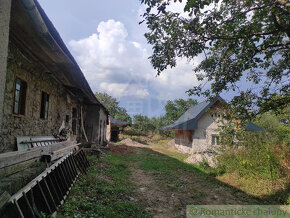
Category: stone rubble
<point>209,156</point>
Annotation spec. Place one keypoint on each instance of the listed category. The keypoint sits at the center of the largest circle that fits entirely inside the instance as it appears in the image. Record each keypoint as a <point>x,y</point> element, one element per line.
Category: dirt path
<point>156,200</point>
<point>166,194</point>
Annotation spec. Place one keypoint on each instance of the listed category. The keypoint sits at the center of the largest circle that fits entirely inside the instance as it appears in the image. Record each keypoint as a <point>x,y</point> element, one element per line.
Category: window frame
<point>19,114</point>
<point>215,139</point>
<point>46,110</point>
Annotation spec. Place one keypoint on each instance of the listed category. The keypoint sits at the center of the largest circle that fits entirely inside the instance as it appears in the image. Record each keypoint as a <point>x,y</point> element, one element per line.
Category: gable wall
<point>201,139</point>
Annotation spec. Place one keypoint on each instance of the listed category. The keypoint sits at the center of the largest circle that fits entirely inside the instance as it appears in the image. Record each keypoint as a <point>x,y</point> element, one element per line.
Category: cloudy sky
<point>108,43</point>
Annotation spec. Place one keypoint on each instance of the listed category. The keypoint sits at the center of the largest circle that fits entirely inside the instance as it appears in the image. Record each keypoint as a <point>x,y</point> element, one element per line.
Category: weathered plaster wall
<point>102,126</point>
<point>201,139</point>
<point>108,131</point>
<point>91,122</point>
<point>5,9</point>
<point>37,81</point>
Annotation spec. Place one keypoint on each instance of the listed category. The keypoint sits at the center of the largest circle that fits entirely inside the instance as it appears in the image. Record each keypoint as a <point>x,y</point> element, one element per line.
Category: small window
<point>44,105</point>
<point>19,97</point>
<point>74,112</point>
<point>215,140</point>
<point>67,118</point>
<point>74,127</point>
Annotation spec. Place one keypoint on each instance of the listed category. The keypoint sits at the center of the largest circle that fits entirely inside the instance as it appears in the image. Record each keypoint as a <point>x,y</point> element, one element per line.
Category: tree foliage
<point>174,109</point>
<point>142,124</point>
<point>239,40</point>
<point>260,155</point>
<point>113,106</point>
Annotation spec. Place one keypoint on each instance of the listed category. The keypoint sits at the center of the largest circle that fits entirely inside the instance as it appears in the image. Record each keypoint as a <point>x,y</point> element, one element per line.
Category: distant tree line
<point>113,106</point>
<point>144,125</point>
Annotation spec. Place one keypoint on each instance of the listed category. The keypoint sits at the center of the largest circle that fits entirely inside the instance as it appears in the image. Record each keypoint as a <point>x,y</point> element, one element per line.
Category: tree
<point>158,123</point>
<point>142,124</point>
<point>112,104</point>
<point>239,40</point>
<point>174,109</point>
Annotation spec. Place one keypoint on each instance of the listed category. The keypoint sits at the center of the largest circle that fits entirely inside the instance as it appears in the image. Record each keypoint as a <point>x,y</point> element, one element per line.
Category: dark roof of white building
<point>188,121</point>
<point>117,122</point>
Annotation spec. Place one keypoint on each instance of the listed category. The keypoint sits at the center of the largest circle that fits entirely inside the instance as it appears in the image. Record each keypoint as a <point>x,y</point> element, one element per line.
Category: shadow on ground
<point>185,181</point>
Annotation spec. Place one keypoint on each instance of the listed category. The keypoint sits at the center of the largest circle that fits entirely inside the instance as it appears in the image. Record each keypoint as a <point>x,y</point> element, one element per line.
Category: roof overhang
<point>188,125</point>
<point>34,34</point>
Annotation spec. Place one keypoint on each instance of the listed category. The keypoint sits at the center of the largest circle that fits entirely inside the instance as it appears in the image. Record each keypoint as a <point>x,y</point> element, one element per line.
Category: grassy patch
<point>103,192</point>
<point>106,191</point>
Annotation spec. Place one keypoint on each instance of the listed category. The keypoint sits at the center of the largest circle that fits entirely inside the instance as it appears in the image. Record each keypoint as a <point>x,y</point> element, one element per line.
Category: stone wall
<point>5,9</point>
<point>20,65</point>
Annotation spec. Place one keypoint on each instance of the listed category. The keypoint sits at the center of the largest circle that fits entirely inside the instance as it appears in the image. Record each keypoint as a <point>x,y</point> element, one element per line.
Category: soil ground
<point>164,196</point>
<point>137,180</point>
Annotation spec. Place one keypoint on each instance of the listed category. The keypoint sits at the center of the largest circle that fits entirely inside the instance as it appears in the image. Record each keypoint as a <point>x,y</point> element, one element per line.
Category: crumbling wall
<point>38,80</point>
<point>91,121</point>
<point>108,131</point>
<point>102,126</point>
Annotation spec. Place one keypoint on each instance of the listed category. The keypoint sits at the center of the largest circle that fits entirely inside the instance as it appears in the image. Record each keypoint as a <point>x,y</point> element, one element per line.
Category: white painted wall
<point>202,137</point>
<point>102,126</point>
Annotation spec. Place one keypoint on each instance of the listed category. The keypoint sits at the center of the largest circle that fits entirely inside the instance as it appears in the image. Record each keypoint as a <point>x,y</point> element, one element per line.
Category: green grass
<point>103,192</point>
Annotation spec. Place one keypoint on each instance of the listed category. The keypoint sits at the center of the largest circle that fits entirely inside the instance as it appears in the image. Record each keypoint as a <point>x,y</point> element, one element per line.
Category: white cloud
<point>120,67</point>
<point>124,90</point>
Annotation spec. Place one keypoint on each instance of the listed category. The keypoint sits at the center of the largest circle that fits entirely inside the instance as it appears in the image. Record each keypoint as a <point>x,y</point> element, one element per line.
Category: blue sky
<point>108,43</point>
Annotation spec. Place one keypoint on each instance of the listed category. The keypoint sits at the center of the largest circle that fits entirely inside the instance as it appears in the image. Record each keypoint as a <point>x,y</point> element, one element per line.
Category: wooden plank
<point>63,153</point>
<point>4,198</point>
<point>16,157</point>
<point>63,149</point>
<point>12,158</point>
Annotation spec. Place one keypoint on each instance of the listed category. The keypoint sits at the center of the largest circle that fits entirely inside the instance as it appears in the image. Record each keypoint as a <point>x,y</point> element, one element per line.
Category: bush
<point>259,162</point>
<point>260,155</point>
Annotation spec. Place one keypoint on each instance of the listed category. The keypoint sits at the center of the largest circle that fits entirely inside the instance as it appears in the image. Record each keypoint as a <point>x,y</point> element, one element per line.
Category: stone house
<point>114,128</point>
<point>42,88</point>
<point>197,130</point>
